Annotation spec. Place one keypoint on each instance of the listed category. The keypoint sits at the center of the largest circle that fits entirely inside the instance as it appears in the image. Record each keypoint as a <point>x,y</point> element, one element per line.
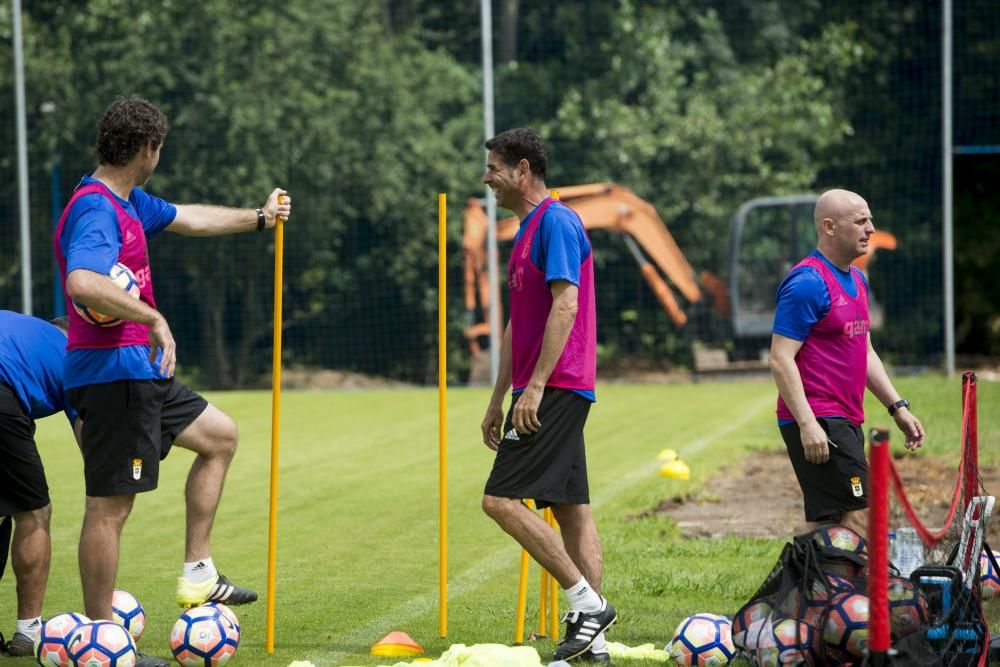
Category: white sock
<point>200,571</point>
<point>29,627</point>
<point>584,598</point>
<point>600,644</point>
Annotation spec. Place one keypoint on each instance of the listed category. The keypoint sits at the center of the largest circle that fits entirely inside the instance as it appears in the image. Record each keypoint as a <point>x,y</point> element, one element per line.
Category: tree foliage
<point>364,111</point>
<point>361,128</point>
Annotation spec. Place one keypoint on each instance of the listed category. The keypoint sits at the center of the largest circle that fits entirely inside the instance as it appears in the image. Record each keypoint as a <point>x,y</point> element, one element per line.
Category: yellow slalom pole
<point>443,402</point>
<point>272,532</point>
<point>550,519</point>
<point>543,598</point>
<point>522,598</point>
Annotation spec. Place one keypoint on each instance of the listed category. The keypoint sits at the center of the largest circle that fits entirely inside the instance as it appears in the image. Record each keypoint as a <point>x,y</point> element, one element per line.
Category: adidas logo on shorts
<point>511,435</point>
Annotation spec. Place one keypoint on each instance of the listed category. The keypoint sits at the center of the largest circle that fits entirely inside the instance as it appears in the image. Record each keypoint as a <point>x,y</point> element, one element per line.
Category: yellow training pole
<point>272,533</point>
<point>522,599</point>
<point>443,403</point>
<point>550,519</point>
<point>543,598</point>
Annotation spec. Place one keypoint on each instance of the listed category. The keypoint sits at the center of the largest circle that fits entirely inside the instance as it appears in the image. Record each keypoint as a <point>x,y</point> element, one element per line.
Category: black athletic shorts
<point>549,465</point>
<point>22,478</point>
<point>128,428</point>
<point>841,484</point>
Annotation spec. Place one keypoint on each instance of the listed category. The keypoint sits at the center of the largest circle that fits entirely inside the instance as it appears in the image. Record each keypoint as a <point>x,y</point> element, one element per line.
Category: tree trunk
<point>213,338</point>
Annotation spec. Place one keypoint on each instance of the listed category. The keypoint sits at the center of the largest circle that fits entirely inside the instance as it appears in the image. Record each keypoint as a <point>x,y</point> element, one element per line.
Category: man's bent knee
<point>212,434</point>
<point>496,507</point>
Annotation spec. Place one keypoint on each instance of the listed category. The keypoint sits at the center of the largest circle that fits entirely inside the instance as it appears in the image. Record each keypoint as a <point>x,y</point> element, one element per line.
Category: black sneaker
<point>21,646</point>
<point>150,661</point>
<point>582,629</point>
<point>220,590</point>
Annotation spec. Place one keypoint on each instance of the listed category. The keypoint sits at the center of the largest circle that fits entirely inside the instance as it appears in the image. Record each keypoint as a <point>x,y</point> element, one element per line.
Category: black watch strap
<point>901,403</point>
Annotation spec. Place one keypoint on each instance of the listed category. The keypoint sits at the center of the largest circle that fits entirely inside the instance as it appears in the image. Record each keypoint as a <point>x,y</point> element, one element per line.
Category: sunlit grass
<point>358,526</point>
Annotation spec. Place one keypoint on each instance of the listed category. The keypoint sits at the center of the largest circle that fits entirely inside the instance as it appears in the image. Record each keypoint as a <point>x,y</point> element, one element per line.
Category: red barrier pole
<point>878,552</point>
<point>970,436</point>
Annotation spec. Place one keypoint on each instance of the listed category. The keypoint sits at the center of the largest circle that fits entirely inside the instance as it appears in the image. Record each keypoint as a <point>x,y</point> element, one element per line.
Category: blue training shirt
<point>803,300</point>
<point>32,354</point>
<point>560,248</point>
<point>91,240</point>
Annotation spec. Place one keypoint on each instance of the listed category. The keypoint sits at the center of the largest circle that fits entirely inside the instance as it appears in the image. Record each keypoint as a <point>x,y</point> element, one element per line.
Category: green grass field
<point>358,515</point>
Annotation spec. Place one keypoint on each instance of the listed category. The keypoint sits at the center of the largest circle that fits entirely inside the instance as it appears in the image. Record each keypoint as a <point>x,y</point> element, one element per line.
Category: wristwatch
<point>901,403</point>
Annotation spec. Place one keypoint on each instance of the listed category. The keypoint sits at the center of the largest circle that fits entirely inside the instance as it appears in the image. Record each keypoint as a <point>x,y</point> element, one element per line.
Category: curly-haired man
<point>121,378</point>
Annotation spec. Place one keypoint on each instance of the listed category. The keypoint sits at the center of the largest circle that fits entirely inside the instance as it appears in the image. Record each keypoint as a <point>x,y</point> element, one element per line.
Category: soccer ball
<point>988,576</point>
<point>792,642</point>
<point>840,537</point>
<point>844,539</point>
<point>838,583</point>
<point>748,623</point>
<point>102,644</point>
<point>907,608</point>
<point>204,637</point>
<point>50,644</point>
<point>230,615</point>
<point>846,630</point>
<point>704,640</point>
<point>817,595</point>
<point>128,613</point>
<point>122,276</point>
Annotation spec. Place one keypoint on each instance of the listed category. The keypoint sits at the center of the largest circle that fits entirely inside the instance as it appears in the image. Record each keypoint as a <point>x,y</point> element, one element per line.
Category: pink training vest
<point>530,303</point>
<point>833,360</point>
<point>134,255</point>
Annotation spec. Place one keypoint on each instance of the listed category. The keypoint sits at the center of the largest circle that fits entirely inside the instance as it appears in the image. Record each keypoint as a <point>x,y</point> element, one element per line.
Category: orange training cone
<point>396,644</point>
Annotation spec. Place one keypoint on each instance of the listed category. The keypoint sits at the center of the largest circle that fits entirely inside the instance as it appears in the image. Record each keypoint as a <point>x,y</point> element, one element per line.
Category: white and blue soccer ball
<point>121,276</point>
<point>230,616</point>
<point>128,613</point>
<point>703,640</point>
<point>102,644</point>
<point>204,637</point>
<point>51,644</point>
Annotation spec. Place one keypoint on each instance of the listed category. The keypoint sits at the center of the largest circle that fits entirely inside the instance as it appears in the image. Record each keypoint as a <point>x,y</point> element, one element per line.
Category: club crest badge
<point>136,468</point>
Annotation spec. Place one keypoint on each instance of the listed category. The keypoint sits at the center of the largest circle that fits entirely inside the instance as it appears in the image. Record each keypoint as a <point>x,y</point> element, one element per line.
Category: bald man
<point>822,359</point>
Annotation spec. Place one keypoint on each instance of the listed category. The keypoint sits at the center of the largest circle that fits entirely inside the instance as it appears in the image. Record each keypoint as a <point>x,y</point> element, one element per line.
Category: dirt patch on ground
<point>759,496</point>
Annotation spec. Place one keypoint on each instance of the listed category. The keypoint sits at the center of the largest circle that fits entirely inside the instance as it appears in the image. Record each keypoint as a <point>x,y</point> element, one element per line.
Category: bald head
<point>836,205</point>
<point>843,225</point>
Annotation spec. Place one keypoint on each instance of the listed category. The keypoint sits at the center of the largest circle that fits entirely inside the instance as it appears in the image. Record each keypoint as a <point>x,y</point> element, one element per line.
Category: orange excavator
<point>768,236</point>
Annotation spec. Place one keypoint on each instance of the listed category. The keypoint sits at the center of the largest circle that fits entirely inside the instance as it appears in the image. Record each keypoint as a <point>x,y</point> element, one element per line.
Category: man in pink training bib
<point>822,359</point>
<point>121,378</point>
<point>549,355</point>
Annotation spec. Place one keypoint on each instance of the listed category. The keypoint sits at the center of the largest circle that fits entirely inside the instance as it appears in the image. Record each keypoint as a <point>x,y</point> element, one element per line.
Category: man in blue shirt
<point>120,377</point>
<point>31,387</point>
<point>549,359</point>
